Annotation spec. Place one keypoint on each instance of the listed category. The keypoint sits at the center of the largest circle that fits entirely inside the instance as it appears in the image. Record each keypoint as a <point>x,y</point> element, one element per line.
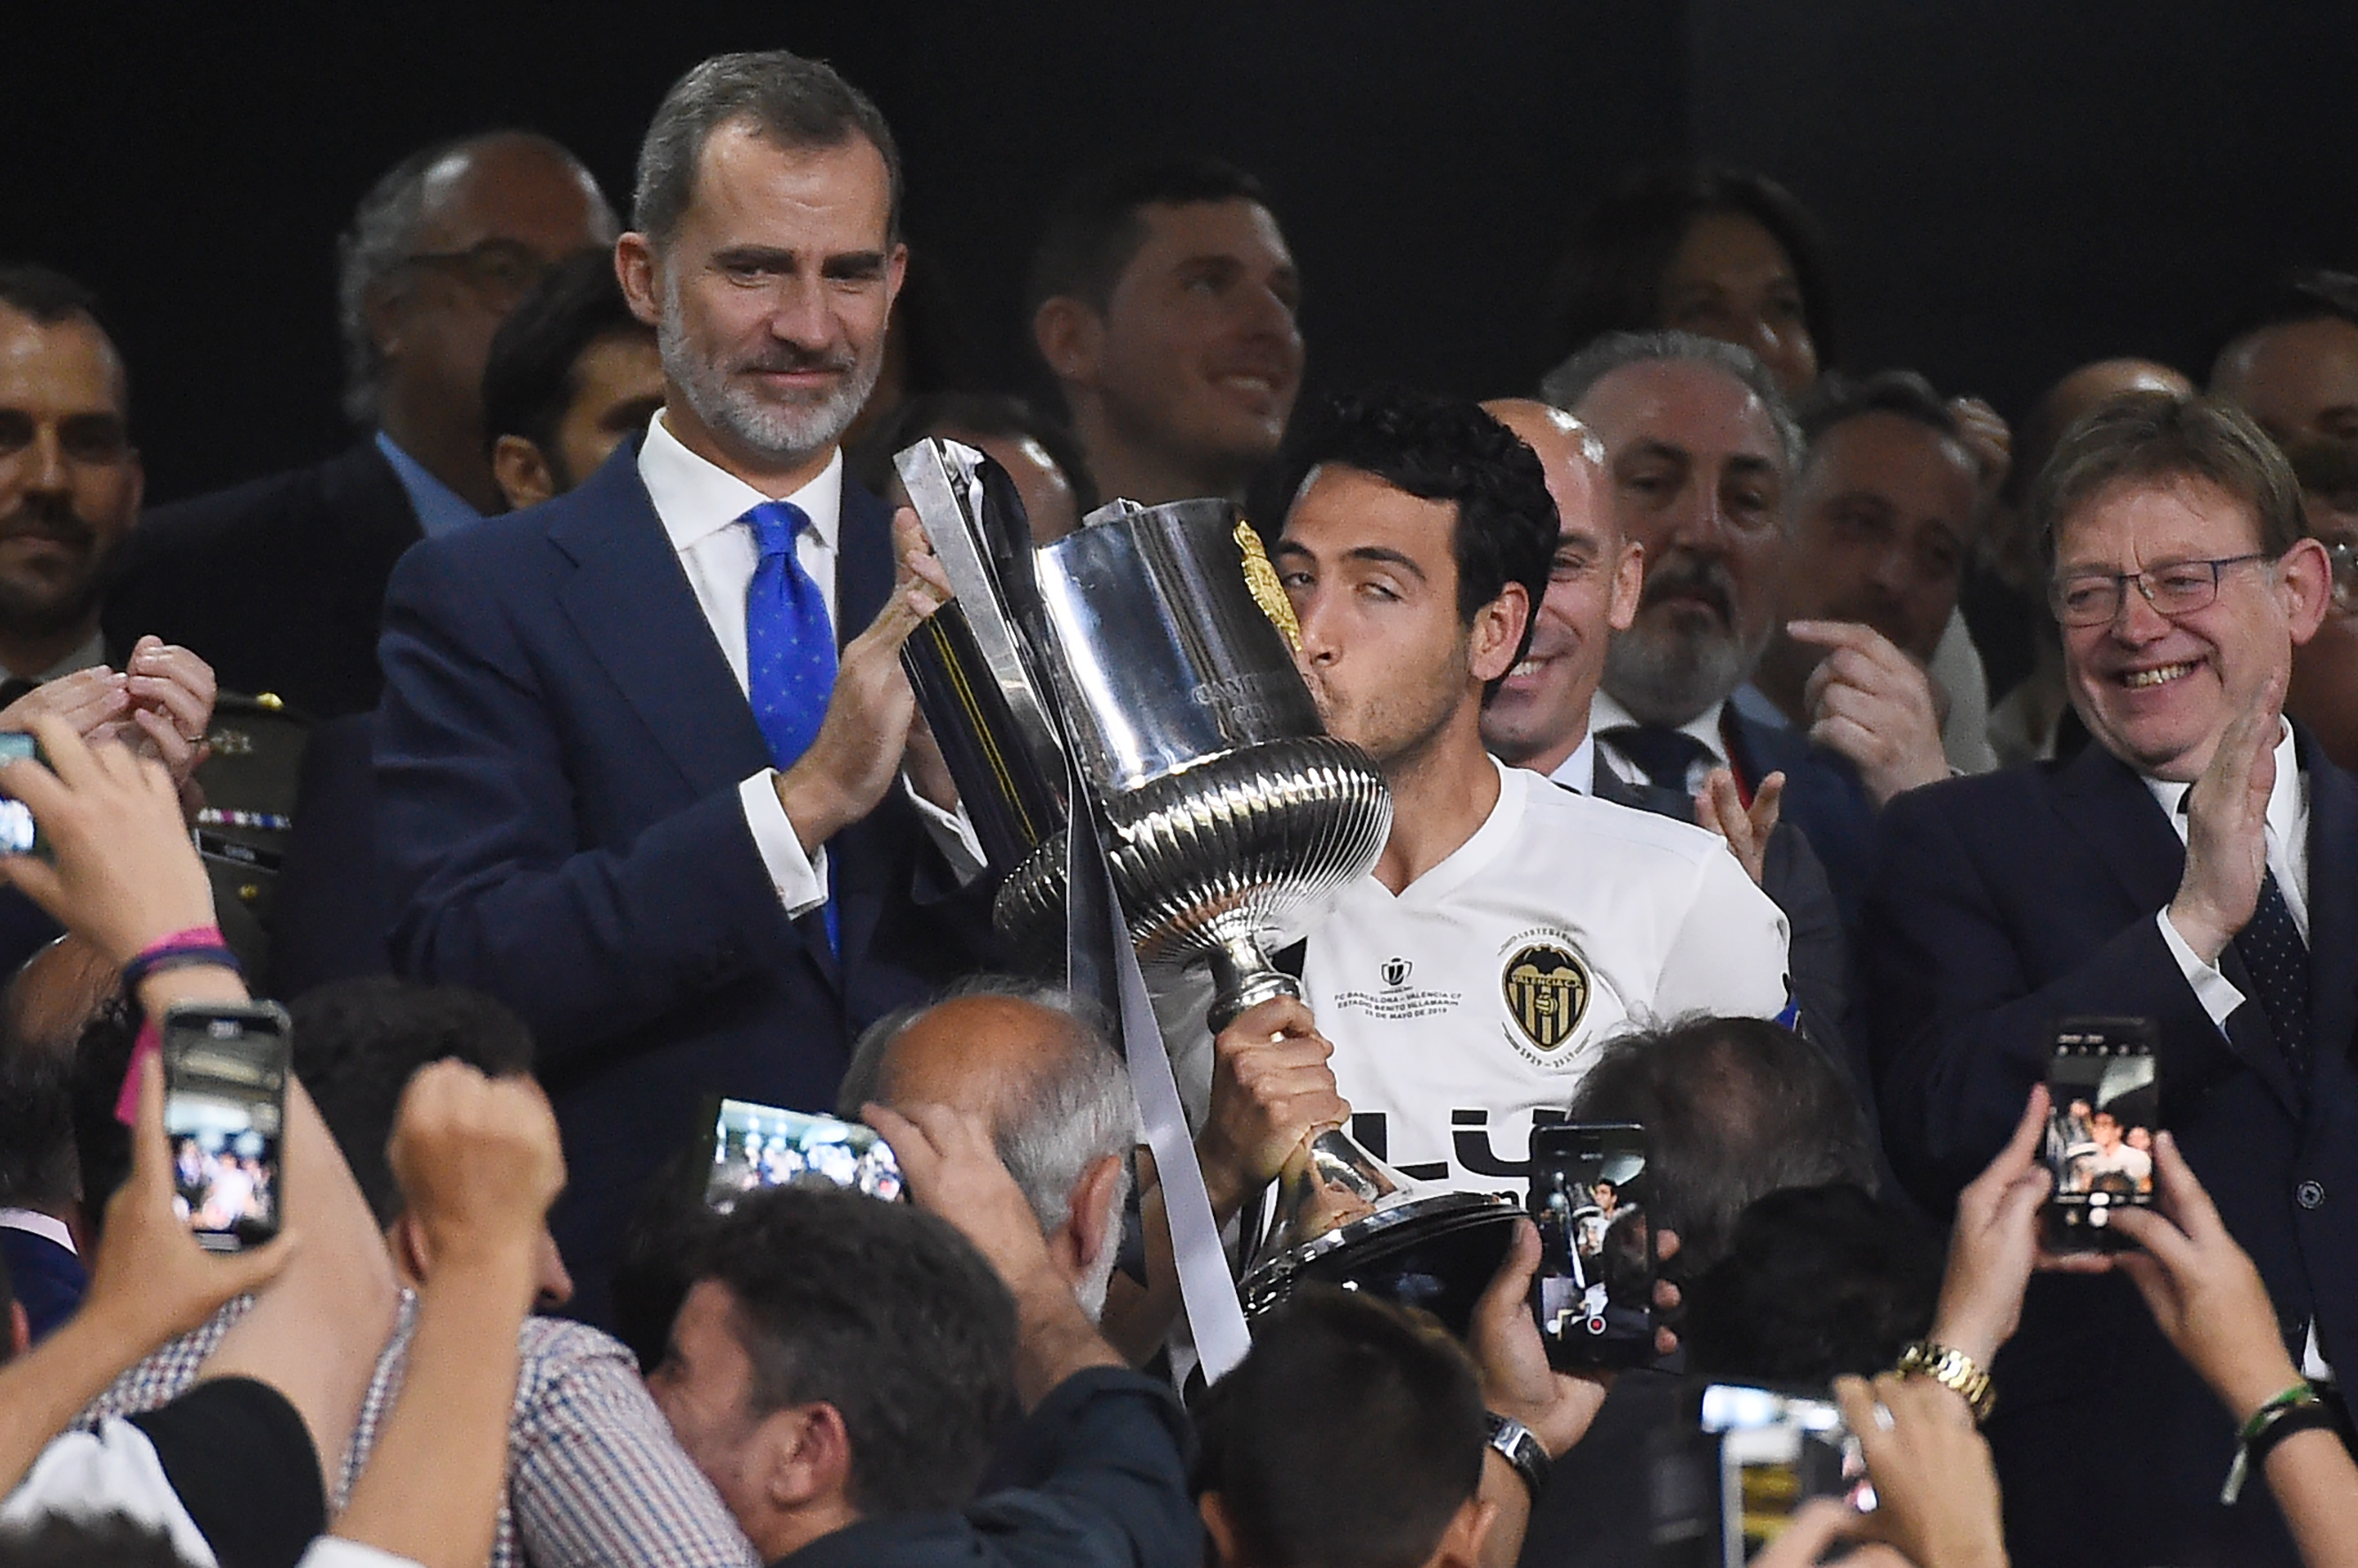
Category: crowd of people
<point>1780,756</point>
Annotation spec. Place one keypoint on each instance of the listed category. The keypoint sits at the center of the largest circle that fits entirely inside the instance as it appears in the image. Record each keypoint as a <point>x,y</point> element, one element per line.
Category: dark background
<point>2012,187</point>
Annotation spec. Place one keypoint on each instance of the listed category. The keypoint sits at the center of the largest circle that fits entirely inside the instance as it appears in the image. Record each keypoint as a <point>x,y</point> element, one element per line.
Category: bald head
<point>2090,387</point>
<point>1540,715</point>
<point>979,1054</point>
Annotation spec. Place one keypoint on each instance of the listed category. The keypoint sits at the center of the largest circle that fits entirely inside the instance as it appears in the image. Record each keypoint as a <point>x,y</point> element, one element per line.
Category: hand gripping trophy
<point>1141,671</point>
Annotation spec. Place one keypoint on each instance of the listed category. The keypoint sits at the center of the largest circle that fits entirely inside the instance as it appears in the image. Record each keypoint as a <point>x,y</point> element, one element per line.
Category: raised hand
<point>1875,704</point>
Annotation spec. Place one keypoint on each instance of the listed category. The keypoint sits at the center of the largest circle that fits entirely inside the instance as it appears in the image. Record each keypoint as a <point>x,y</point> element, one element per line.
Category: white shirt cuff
<point>2214,990</point>
<point>952,834</point>
<point>800,880</point>
<point>335,1551</point>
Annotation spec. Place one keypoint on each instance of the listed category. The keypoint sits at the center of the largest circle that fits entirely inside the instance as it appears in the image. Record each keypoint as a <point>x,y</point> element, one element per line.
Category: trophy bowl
<point>1148,659</point>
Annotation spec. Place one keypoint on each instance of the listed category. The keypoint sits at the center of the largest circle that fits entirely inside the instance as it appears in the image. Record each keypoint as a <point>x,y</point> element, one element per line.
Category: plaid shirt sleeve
<point>165,1374</point>
<point>594,1474</point>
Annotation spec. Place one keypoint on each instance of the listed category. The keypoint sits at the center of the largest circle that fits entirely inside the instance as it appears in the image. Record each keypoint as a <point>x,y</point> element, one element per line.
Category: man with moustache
<point>632,779</point>
<point>1702,449</point>
<point>71,484</point>
<point>1163,301</point>
<point>1539,717</point>
<point>2196,865</point>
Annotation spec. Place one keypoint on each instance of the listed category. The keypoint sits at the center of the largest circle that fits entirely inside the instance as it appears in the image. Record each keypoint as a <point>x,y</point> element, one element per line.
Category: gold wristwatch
<point>1954,1371</point>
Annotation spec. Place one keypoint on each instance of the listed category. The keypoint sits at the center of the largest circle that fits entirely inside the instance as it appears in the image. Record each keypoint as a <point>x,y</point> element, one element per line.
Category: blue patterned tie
<point>789,646</point>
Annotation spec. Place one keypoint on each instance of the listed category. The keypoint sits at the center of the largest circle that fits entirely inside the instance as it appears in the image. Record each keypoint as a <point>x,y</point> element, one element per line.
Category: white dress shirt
<point>2288,839</point>
<point>1578,772</point>
<point>702,507</point>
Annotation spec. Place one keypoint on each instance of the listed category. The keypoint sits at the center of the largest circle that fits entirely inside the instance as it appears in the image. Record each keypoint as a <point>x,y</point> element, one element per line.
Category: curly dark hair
<point>885,1312</point>
<point>1444,448</point>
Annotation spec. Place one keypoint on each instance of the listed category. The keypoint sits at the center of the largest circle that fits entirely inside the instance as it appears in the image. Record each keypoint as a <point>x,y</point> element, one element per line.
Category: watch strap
<point>1520,1447</point>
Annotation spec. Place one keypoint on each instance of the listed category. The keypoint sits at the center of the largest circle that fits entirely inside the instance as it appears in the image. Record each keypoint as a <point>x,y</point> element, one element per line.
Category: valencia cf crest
<point>1547,993</point>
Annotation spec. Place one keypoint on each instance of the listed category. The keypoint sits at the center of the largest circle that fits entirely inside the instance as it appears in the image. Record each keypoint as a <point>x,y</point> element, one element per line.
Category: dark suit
<point>2002,903</point>
<point>278,584</point>
<point>559,757</point>
<point>49,1281</point>
<point>1823,797</point>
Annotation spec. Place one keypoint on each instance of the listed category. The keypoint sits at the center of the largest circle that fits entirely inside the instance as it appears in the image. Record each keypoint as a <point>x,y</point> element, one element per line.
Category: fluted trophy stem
<point>1243,979</point>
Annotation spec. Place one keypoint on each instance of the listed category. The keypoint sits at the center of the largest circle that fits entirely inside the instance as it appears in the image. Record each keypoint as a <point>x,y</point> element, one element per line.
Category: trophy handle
<point>1242,978</point>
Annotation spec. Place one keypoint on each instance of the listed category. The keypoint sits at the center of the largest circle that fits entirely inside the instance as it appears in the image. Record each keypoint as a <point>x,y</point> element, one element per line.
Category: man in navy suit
<point>2197,866</point>
<point>625,781</point>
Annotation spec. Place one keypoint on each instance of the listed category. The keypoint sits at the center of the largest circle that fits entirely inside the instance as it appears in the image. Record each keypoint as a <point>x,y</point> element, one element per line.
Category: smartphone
<point>757,1146</point>
<point>225,1067</point>
<point>1776,1449</point>
<point>1594,1295</point>
<point>2104,1102</point>
<point>19,834</point>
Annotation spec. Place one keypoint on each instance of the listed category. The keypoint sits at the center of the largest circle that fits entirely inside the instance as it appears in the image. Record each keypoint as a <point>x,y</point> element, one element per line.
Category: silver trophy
<point>1148,658</point>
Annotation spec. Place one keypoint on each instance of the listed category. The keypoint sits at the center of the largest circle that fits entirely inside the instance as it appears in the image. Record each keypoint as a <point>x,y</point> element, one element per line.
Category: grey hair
<point>1570,382</point>
<point>792,101</point>
<point>377,244</point>
<point>1073,1108</point>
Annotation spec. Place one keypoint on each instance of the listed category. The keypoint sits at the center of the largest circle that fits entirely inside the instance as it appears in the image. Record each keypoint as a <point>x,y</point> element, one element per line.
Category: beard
<point>1671,666</point>
<point>44,605</point>
<point>782,434</point>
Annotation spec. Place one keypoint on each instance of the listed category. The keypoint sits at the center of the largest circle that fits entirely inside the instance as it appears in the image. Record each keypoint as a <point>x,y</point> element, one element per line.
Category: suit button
<point>2309,1195</point>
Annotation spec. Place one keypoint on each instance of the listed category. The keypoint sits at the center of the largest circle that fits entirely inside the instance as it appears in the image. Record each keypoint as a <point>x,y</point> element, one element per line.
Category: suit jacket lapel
<point>2332,887</point>
<point>2116,815</point>
<point>864,562</point>
<point>631,603</point>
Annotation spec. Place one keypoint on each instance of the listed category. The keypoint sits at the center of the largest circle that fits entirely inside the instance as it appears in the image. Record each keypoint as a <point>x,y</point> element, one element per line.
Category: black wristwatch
<point>1518,1446</point>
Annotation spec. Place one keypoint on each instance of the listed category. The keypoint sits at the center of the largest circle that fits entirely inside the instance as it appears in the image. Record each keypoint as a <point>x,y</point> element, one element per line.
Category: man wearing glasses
<point>2197,866</point>
<point>279,582</point>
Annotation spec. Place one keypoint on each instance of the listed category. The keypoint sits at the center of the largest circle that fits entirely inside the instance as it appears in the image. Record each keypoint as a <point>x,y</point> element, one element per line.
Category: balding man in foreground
<point>1540,717</point>
<point>1032,1061</point>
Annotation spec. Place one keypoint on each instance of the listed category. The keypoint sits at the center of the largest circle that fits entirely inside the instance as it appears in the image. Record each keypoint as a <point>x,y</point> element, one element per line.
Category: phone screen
<point>224,1106</point>
<point>2105,1103</point>
<point>18,835</point>
<point>757,1146</point>
<point>1594,1295</point>
<point>1777,1451</point>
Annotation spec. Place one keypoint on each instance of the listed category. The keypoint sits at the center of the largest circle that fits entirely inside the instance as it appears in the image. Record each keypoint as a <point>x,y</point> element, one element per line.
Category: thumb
<point>1512,1283</point>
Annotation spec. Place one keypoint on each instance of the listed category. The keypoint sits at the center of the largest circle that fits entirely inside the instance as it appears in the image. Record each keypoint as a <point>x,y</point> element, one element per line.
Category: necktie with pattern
<point>1666,756</point>
<point>2278,961</point>
<point>789,646</point>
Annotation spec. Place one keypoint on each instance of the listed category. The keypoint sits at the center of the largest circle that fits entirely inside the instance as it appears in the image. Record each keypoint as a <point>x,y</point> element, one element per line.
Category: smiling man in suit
<point>626,781</point>
<point>2198,865</point>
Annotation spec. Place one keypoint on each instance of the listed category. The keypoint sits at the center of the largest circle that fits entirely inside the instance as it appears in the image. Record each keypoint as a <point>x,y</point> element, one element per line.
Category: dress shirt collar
<point>1604,713</point>
<point>697,498</point>
<point>2288,798</point>
<point>438,507</point>
<point>1578,772</point>
<point>32,1221</point>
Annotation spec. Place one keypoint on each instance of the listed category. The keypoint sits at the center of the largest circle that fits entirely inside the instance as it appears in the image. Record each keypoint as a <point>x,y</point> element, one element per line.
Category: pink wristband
<point>150,1043</point>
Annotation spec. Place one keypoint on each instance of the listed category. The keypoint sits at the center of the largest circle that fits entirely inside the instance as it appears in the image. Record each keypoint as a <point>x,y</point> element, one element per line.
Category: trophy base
<point>1436,1253</point>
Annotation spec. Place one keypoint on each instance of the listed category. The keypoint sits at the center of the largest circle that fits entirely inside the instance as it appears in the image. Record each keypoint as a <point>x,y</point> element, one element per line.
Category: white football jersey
<point>1484,992</point>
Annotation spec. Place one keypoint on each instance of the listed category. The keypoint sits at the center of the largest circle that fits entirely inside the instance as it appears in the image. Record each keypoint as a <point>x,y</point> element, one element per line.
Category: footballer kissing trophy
<point>1145,664</point>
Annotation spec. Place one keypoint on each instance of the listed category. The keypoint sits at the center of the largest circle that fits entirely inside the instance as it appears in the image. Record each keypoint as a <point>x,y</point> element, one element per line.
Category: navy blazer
<point>557,763</point>
<point>277,583</point>
<point>2002,903</point>
<point>49,1281</point>
<point>1824,798</point>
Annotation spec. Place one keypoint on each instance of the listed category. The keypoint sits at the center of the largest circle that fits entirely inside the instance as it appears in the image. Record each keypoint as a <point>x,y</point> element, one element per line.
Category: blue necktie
<point>789,646</point>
